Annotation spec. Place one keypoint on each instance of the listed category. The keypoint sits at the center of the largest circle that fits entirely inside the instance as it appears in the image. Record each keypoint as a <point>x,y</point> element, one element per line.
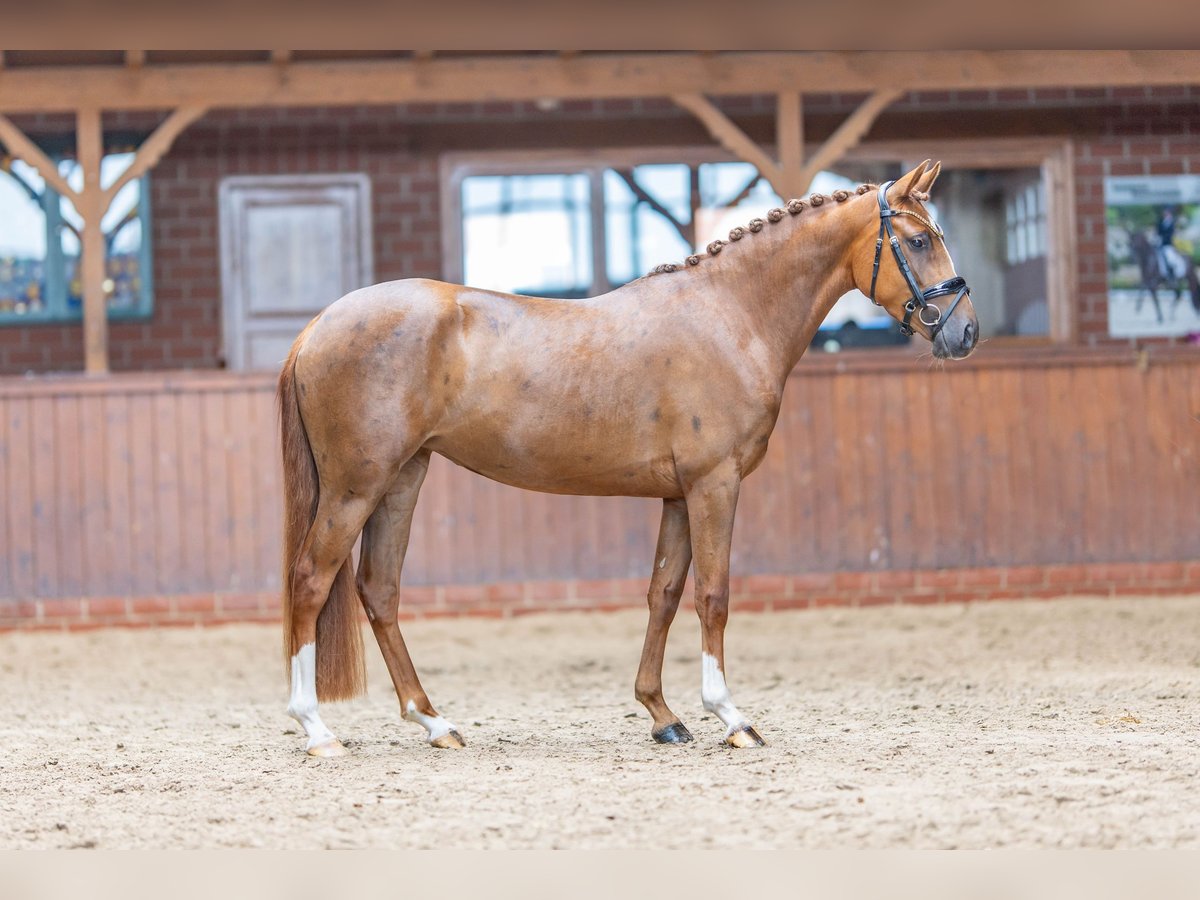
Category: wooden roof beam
<point>729,136</point>
<point>22,148</point>
<point>847,135</point>
<point>154,148</point>
<point>791,175</point>
<point>590,76</point>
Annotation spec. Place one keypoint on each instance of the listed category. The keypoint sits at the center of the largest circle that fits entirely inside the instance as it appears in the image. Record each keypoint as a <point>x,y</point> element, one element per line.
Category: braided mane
<point>792,207</point>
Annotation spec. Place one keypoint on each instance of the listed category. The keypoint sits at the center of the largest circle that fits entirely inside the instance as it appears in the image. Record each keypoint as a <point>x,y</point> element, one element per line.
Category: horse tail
<point>341,671</point>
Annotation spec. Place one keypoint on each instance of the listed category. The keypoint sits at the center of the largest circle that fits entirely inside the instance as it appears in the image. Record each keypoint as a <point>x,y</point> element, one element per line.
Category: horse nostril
<point>969,334</point>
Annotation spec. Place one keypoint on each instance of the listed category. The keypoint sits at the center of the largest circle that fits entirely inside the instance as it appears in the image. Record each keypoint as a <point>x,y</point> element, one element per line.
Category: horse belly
<point>561,459</point>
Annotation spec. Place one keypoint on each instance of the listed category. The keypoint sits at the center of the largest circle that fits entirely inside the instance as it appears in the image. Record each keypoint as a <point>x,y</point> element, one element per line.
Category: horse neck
<point>788,277</point>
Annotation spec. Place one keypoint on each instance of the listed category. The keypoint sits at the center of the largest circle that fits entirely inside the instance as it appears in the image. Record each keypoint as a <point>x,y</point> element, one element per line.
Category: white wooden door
<point>290,246</point>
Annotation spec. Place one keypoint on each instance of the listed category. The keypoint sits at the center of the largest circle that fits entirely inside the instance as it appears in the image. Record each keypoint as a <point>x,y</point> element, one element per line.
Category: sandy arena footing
<point>1068,723</point>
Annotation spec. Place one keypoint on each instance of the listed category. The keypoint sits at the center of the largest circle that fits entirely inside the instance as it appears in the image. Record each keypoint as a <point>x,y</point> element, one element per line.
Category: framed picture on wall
<point>1153,249</point>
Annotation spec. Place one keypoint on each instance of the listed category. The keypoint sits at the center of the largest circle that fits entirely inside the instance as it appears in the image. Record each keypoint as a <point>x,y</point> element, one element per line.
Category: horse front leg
<point>671,560</point>
<point>711,504</point>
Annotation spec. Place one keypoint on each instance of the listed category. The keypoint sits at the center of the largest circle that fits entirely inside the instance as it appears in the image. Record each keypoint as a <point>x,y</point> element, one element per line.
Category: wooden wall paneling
<point>873,475</point>
<point>970,411</point>
<point>1187,466</point>
<point>796,421</point>
<point>998,492</point>
<point>851,490</point>
<point>117,469</point>
<point>1099,509</point>
<point>44,524</point>
<point>166,473</point>
<point>215,493</point>
<point>906,474</point>
<point>1118,462</point>
<point>144,519</point>
<point>242,466</point>
<point>824,461</point>
<point>1167,410</point>
<point>117,491</point>
<point>1045,518</point>
<point>1021,508</point>
<point>939,518</point>
<point>68,503</point>
<point>1065,432</point>
<point>6,575</point>
<point>193,486</point>
<point>93,514</point>
<point>19,499</point>
<point>268,515</point>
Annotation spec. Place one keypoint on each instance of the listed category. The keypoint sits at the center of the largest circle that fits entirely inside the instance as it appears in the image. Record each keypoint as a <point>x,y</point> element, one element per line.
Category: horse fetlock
<point>438,731</point>
<point>302,711</point>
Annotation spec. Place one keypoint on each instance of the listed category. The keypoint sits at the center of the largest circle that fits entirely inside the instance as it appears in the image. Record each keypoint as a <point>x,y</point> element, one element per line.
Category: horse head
<point>901,262</point>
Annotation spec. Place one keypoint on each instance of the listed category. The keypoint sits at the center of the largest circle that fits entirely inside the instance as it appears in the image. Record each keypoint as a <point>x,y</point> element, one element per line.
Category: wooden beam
<point>466,79</point>
<point>24,149</point>
<point>848,134</point>
<point>281,57</point>
<point>789,141</point>
<point>90,204</point>
<point>729,136</point>
<point>153,149</point>
<point>135,59</point>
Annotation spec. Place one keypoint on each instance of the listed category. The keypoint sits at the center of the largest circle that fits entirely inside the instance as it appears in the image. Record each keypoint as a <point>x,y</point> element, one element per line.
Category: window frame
<point>144,310</point>
<point>1052,156</point>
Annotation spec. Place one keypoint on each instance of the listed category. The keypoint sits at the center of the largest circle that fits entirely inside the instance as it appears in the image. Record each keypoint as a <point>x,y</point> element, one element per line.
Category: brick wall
<point>1117,131</point>
<point>754,593</point>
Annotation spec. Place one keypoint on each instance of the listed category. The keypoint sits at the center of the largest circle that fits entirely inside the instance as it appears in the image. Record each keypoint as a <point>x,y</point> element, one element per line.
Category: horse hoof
<point>329,749</point>
<point>675,733</point>
<point>743,737</point>
<point>451,740</point>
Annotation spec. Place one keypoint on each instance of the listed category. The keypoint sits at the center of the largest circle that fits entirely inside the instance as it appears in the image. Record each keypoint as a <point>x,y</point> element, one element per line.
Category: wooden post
<point>789,141</point>
<point>89,144</point>
<point>847,135</point>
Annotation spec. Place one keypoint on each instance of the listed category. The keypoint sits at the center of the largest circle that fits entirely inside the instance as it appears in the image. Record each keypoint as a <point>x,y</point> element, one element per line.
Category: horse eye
<point>917,243</point>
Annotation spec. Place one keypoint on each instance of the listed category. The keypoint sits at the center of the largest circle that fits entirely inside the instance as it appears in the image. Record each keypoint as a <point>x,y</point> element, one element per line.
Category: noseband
<point>930,314</point>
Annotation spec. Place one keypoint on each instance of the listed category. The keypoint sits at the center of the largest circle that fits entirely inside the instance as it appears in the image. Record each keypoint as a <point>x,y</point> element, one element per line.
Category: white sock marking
<point>715,694</point>
<point>435,725</point>
<point>303,703</point>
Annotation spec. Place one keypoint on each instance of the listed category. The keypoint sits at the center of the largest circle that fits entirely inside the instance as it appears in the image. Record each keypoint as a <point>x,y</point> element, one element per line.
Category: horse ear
<point>930,176</point>
<point>905,184</point>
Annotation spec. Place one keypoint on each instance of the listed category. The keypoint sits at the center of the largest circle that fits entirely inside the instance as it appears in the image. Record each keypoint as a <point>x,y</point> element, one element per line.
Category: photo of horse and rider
<point>1153,245</point>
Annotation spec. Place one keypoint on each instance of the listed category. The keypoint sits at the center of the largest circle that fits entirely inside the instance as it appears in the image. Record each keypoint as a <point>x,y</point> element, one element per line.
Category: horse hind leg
<point>671,560</point>
<point>384,543</point>
<point>318,572</point>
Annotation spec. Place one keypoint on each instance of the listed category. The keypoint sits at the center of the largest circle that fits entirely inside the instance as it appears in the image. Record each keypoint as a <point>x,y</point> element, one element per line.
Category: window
<point>563,228</point>
<point>40,245</point>
<point>1025,220</point>
<point>580,231</point>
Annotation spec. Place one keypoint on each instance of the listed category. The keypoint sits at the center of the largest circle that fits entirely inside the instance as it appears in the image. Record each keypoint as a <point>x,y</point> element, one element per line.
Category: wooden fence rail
<point>166,484</point>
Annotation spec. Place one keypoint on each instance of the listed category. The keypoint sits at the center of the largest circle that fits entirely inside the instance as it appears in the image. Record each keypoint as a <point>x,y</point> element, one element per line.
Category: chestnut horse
<point>668,387</point>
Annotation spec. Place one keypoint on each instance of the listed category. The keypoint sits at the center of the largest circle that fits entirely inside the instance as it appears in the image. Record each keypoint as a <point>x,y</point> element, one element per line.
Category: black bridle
<point>918,299</point>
